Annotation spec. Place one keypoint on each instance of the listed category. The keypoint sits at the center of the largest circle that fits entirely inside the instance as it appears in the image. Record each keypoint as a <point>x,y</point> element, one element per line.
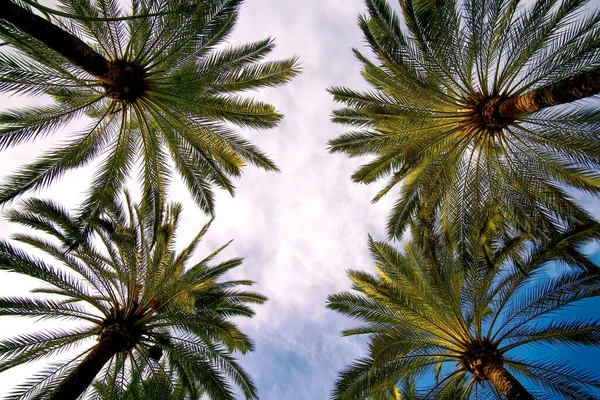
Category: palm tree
<point>153,84</point>
<point>139,298</point>
<point>465,327</point>
<point>460,111</point>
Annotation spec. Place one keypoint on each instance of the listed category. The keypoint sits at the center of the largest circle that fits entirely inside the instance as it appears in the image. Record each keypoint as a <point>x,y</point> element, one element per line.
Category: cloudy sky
<point>298,230</point>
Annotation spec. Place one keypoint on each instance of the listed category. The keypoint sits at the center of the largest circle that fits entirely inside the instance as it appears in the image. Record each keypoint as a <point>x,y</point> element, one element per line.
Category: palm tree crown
<point>427,315</point>
<point>154,84</point>
<point>132,292</point>
<point>459,111</point>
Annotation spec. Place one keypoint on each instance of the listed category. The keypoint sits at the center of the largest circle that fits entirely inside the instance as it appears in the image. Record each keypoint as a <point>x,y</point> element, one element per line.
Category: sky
<point>298,230</point>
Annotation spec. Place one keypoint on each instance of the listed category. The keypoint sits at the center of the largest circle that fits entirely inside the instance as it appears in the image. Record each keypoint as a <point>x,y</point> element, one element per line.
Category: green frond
<point>157,385</point>
<point>114,170</point>
<point>236,56</point>
<point>51,166</point>
<point>267,74</point>
<point>28,124</point>
<point>44,309</point>
<point>44,382</point>
<point>573,333</point>
<point>29,347</point>
<point>558,378</point>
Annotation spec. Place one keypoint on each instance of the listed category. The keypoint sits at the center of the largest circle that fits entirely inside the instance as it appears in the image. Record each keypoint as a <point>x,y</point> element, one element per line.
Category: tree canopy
<point>431,316</point>
<point>446,117</point>
<point>147,305</point>
<point>158,85</point>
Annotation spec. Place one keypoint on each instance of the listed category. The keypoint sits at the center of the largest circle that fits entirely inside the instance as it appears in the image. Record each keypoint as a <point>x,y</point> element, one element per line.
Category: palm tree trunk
<point>567,90</point>
<point>72,48</point>
<point>505,383</point>
<point>82,376</point>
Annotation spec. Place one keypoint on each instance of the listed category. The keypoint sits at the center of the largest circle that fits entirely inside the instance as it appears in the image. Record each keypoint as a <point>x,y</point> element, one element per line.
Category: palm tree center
<point>122,333</point>
<point>478,355</point>
<point>126,82</point>
<point>486,113</point>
